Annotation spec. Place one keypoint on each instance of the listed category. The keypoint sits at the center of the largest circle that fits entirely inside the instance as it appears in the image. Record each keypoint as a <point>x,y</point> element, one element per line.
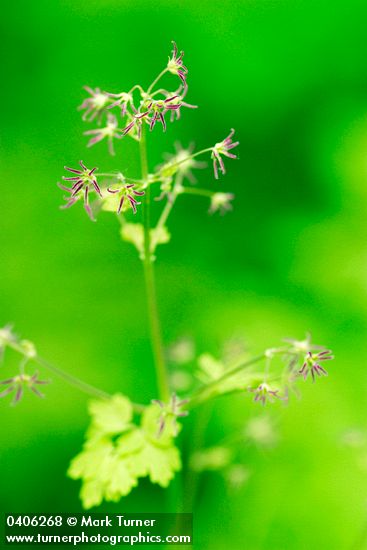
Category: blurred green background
<point>291,78</point>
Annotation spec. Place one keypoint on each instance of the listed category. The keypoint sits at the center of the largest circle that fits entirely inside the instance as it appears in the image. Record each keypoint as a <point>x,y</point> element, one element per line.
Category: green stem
<point>177,189</point>
<point>154,324</point>
<point>136,87</point>
<point>69,378</point>
<point>73,380</point>
<point>116,175</point>
<point>204,393</point>
<point>156,80</point>
<point>197,442</point>
<point>239,366</point>
<point>207,150</point>
<point>160,91</point>
<point>107,175</point>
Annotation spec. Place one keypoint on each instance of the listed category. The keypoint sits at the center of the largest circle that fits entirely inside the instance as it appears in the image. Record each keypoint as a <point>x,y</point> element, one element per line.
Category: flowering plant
<point>127,441</point>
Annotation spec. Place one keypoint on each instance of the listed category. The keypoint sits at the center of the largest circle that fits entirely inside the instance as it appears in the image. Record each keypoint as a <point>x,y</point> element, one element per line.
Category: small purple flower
<point>122,101</point>
<point>176,113</point>
<point>176,66</point>
<point>263,393</point>
<point>221,202</point>
<point>95,105</point>
<point>181,163</point>
<point>312,364</point>
<point>153,110</point>
<point>297,349</point>
<point>19,383</point>
<point>159,108</point>
<point>135,123</point>
<point>110,131</point>
<point>170,411</point>
<point>223,148</point>
<point>82,182</point>
<point>126,192</point>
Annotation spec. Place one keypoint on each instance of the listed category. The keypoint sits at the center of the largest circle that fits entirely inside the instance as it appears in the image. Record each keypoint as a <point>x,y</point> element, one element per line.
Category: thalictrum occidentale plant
<point>133,449</point>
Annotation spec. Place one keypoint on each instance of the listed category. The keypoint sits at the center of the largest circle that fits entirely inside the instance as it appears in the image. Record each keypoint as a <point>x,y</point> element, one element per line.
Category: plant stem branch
<point>154,324</point>
<point>177,189</point>
<point>197,442</point>
<point>73,380</point>
<point>204,393</point>
<point>69,378</point>
<point>156,80</point>
<point>116,175</point>
<point>136,87</point>
<point>207,150</point>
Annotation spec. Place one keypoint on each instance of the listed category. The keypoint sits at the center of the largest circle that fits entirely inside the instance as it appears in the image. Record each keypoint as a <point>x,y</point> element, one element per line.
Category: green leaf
<point>159,463</point>
<point>134,234</point>
<point>111,416</point>
<point>91,493</point>
<point>120,479</point>
<point>130,443</point>
<point>212,370</point>
<point>159,235</point>
<point>117,453</point>
<point>110,203</point>
<point>94,458</point>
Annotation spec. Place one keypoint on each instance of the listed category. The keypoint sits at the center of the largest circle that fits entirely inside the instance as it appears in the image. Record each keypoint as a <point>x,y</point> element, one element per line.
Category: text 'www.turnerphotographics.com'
<point>111,529</point>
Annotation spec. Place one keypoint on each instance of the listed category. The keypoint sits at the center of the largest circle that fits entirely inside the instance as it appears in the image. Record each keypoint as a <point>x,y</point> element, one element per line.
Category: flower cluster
<point>283,367</point>
<point>296,352</point>
<point>139,108</point>
<point>86,179</point>
<point>147,108</point>
<point>151,111</point>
